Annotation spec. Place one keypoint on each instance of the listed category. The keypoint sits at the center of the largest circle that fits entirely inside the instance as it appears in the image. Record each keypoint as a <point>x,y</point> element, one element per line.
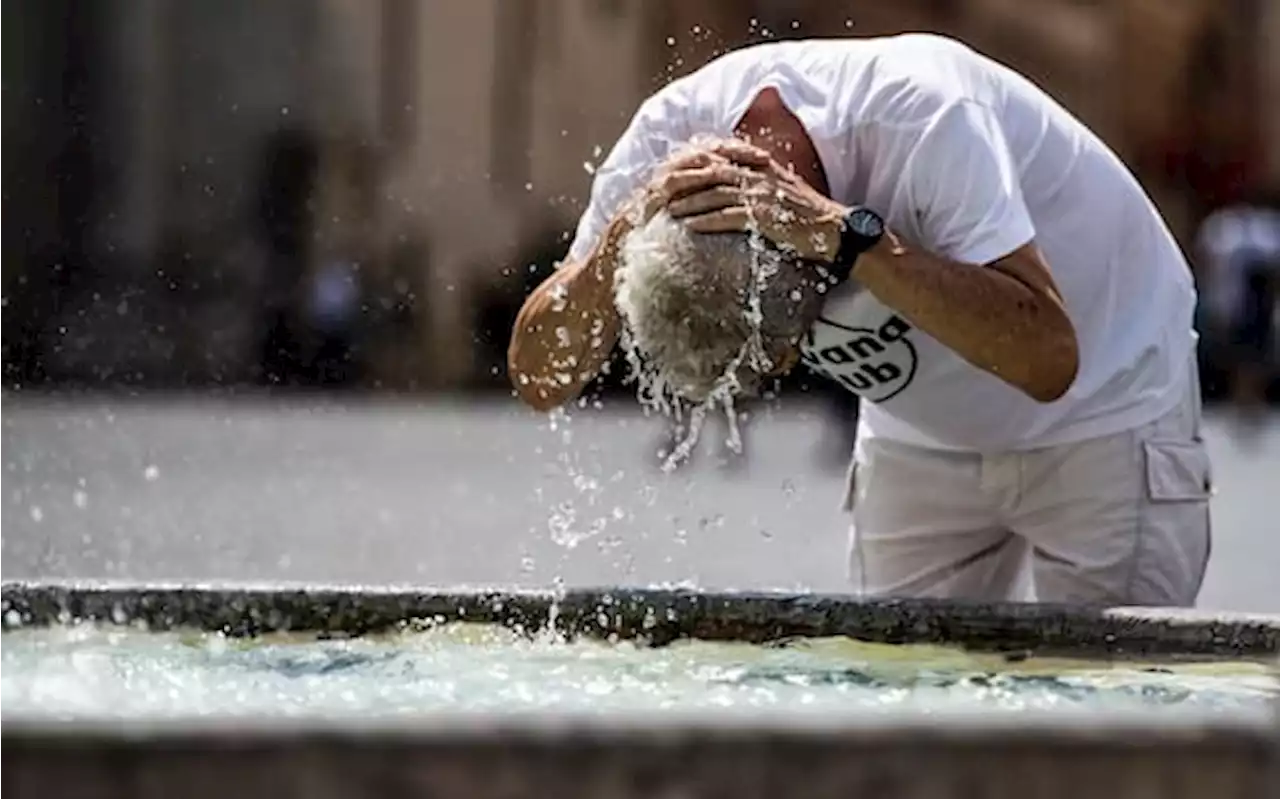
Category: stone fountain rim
<point>1129,728</point>
<point>657,615</point>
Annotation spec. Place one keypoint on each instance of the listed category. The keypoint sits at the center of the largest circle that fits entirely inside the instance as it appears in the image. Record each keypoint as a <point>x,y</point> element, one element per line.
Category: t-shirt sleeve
<point>964,187</point>
<point>627,167</point>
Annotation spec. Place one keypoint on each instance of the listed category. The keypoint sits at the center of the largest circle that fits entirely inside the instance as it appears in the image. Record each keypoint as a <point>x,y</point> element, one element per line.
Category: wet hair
<point>705,314</point>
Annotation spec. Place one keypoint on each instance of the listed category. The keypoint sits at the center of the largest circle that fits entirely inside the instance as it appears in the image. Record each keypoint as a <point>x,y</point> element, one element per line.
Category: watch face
<point>866,223</point>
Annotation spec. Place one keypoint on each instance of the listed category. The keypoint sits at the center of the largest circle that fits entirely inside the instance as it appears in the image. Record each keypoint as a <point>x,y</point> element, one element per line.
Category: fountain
<point>807,695</point>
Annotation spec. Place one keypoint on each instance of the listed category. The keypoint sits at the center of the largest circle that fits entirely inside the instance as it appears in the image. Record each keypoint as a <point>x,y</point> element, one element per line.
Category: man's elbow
<point>531,388</point>
<point>536,393</point>
<point>1057,363</point>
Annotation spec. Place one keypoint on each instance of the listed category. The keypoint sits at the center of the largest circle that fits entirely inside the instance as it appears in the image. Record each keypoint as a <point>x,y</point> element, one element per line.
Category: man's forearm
<point>989,316</point>
<point>567,328</point>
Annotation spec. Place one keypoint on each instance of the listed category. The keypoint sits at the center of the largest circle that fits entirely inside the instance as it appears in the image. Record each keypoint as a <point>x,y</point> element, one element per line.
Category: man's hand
<point>740,187</point>
<point>693,169</point>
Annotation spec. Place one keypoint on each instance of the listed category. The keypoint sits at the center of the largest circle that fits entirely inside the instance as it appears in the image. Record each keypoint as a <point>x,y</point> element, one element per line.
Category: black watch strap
<point>860,230</point>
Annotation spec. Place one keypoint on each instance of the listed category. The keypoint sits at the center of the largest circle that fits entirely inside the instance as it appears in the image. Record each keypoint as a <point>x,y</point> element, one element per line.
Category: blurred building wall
<point>507,109</point>
<point>44,142</point>
<point>455,136</point>
<point>1269,99</point>
<point>171,104</point>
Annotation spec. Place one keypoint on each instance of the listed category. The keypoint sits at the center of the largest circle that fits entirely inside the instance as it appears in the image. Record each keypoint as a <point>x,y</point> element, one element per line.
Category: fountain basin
<point>330,691</point>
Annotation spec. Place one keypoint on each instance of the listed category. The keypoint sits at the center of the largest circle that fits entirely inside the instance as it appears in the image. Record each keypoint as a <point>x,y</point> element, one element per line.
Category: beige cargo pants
<point>1117,520</point>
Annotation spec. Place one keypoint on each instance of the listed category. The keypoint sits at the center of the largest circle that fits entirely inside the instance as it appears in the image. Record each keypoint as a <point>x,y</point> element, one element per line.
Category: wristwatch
<point>860,230</point>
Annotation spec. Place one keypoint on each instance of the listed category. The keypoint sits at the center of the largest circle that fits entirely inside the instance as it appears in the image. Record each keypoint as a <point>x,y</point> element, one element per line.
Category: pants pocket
<point>1175,537</point>
<point>1177,471</point>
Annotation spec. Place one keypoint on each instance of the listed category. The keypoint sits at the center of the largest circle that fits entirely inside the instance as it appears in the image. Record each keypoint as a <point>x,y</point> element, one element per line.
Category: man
<point>1014,313</point>
<point>1240,247</point>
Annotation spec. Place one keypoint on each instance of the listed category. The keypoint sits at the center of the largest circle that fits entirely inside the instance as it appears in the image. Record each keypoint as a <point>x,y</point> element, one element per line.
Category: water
<point>89,672</point>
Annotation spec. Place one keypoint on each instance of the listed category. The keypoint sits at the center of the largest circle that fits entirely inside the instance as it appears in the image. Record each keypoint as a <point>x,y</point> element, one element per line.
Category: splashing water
<point>563,523</point>
<point>88,672</point>
<point>590,512</point>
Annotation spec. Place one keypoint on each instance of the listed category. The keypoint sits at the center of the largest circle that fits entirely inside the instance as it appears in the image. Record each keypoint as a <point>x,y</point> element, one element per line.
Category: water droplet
<point>559,297</point>
<point>151,473</point>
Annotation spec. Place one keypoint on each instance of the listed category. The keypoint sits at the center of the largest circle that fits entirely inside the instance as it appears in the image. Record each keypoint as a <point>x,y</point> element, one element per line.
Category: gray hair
<point>707,316</point>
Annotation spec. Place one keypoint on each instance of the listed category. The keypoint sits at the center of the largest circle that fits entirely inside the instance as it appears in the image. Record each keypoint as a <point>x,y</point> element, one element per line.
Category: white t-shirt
<point>969,160</point>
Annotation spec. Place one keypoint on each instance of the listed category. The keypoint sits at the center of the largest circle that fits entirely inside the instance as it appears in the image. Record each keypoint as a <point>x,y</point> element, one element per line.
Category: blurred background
<point>261,201</point>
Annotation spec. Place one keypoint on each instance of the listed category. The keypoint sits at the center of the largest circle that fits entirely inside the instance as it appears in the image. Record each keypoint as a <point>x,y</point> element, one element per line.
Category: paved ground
<point>468,494</point>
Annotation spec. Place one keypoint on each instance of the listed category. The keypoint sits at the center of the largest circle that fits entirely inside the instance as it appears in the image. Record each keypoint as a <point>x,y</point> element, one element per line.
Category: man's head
<point>702,310</point>
<point>710,311</point>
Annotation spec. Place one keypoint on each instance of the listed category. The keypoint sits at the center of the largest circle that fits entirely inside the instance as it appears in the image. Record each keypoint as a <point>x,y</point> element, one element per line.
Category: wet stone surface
<point>655,615</point>
<point>691,761</point>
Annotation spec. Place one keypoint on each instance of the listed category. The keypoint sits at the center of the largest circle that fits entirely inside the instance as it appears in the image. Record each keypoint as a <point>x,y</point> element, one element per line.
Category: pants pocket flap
<point>1177,471</point>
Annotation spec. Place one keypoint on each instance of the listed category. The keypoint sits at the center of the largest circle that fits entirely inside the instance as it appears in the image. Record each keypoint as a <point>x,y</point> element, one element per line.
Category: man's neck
<point>770,125</point>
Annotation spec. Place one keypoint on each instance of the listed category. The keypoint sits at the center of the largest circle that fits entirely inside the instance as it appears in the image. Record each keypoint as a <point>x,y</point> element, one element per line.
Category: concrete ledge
<point>658,616</point>
<point>1037,757</point>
